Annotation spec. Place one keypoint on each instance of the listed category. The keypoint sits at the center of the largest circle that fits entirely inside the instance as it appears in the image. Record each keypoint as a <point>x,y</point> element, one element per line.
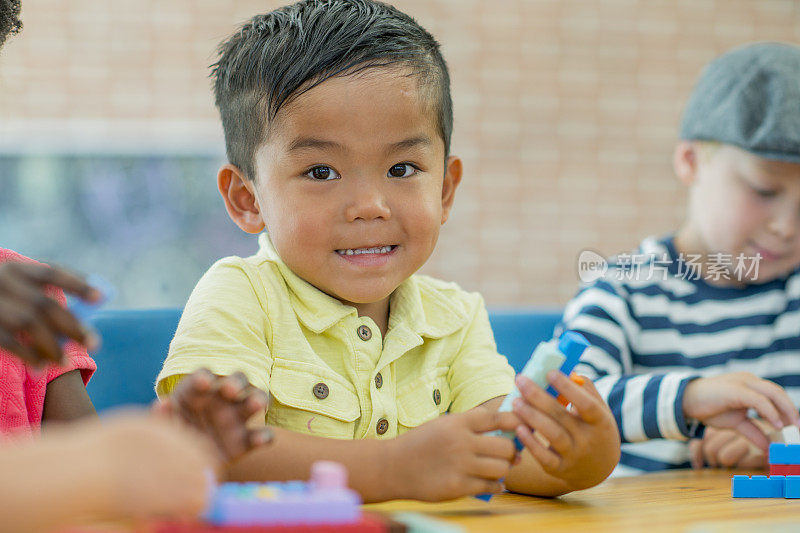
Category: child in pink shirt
<point>27,394</point>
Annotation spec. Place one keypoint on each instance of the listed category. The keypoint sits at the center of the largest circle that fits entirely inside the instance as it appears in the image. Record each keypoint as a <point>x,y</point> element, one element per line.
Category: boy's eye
<point>402,170</point>
<point>764,193</point>
<point>322,173</point>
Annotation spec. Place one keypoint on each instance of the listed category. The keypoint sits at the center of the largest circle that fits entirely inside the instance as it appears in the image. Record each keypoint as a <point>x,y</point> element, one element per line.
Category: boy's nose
<point>366,202</point>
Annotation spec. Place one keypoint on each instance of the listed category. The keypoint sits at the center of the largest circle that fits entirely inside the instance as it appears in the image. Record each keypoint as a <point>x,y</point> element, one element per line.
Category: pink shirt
<point>22,390</point>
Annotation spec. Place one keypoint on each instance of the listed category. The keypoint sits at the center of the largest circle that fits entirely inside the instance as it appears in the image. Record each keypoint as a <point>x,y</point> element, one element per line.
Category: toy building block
<point>758,486</point>
<point>83,310</point>
<point>324,500</point>
<point>784,470</point>
<point>784,454</point>
<point>791,435</point>
<point>572,345</point>
<point>367,524</point>
<point>792,487</point>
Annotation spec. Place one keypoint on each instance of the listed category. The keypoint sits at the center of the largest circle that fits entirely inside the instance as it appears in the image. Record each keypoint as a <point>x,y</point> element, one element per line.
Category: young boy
<point>337,118</point>
<point>698,327</point>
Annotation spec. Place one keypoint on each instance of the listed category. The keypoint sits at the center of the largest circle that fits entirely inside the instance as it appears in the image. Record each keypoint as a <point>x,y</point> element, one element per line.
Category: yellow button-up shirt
<point>327,374</point>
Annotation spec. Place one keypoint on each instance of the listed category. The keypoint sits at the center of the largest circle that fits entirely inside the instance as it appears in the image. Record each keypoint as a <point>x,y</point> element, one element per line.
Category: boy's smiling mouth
<point>368,256</point>
<point>372,250</point>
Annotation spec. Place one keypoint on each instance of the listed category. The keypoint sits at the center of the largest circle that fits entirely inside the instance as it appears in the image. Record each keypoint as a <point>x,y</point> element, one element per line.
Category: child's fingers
<point>787,411</point>
<point>490,468</point>
<point>754,434</point>
<point>481,420</point>
<point>559,438</point>
<point>476,485</point>
<point>696,454</point>
<point>38,308</point>
<point>732,452</point>
<point>47,275</point>
<point>714,441</point>
<point>229,432</point>
<point>43,341</point>
<point>585,399</point>
<point>24,312</point>
<point>232,386</point>
<point>539,399</point>
<point>589,387</point>
<point>261,437</point>
<point>547,458</point>
<point>65,323</point>
<point>499,447</point>
<point>191,397</point>
<point>255,401</point>
<point>753,399</point>
<point>198,384</point>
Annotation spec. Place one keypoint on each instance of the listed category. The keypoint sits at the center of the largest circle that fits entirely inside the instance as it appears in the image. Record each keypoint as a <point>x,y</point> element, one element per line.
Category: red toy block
<point>784,470</point>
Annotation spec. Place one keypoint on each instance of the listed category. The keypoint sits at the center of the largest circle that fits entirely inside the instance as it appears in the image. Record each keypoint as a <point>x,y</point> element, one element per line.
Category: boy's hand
<point>725,448</point>
<point>220,407</point>
<point>723,401</point>
<point>451,456</point>
<point>33,324</point>
<point>584,445</point>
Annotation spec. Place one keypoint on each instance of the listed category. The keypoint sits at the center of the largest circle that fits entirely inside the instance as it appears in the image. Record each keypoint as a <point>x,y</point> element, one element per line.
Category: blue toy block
<point>758,486</point>
<point>784,454</point>
<point>572,345</point>
<point>792,487</point>
<point>84,310</point>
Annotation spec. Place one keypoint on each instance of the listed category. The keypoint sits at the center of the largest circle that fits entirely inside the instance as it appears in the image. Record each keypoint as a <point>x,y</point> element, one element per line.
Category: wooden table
<point>694,501</point>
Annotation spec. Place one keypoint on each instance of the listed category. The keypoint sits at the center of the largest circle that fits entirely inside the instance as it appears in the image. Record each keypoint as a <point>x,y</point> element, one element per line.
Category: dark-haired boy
<point>337,118</point>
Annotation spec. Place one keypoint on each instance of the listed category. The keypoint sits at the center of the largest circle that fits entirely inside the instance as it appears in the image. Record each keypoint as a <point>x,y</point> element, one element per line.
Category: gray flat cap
<point>750,98</point>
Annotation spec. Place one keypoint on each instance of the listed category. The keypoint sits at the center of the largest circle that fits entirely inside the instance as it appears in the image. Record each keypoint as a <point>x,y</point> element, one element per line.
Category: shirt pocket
<point>312,400</point>
<point>423,399</point>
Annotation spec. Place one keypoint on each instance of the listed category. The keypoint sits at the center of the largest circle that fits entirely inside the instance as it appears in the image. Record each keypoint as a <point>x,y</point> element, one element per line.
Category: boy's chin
<point>365,296</point>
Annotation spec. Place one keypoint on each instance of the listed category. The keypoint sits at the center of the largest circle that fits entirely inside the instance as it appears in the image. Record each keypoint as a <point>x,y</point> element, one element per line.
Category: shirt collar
<point>414,305</point>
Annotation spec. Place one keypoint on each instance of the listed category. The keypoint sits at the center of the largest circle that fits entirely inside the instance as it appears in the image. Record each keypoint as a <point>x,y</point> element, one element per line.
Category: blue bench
<point>135,343</point>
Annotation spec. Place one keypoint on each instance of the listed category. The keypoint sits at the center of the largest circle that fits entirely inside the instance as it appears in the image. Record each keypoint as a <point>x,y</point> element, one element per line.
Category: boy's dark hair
<point>9,19</point>
<point>277,56</point>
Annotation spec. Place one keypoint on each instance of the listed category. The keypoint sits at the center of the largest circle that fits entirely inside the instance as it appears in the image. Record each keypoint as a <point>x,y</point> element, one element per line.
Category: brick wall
<point>566,110</point>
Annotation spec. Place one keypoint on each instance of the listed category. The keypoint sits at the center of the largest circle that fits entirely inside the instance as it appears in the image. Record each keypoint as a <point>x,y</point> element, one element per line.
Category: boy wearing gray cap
<point>702,327</point>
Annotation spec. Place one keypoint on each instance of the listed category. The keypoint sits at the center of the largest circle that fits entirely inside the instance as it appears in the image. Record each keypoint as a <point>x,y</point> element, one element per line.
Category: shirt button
<point>378,380</point>
<point>321,391</point>
<point>437,396</point>
<point>364,333</point>
<point>382,427</point>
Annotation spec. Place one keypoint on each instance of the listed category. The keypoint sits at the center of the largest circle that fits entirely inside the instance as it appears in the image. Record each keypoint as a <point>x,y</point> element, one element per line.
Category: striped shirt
<point>656,326</point>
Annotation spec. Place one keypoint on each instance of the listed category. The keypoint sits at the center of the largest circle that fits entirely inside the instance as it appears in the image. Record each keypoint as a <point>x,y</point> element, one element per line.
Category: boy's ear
<point>240,199</point>
<point>684,162</point>
<point>452,177</point>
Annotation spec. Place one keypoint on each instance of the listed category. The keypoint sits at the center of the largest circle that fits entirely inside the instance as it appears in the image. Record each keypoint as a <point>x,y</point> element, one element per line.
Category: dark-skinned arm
<point>66,399</point>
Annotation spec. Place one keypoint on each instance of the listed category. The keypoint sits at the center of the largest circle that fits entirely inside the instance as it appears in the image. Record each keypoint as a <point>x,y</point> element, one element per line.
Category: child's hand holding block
<point>562,355</point>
